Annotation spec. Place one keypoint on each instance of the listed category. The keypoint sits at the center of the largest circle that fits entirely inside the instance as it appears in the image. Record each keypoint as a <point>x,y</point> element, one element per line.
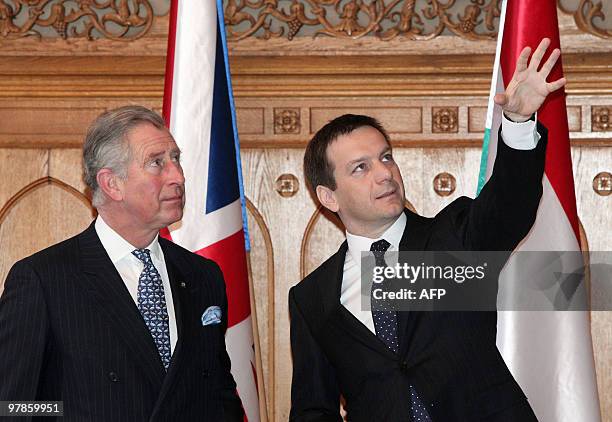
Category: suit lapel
<point>342,317</point>
<point>414,238</point>
<point>114,301</point>
<point>180,284</point>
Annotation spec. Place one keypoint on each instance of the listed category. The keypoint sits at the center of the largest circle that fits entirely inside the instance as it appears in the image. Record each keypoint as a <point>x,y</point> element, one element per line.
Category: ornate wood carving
<point>127,20</point>
<point>601,118</point>
<point>287,185</point>
<point>120,20</point>
<point>444,119</point>
<point>287,120</point>
<point>444,184</point>
<point>386,20</point>
<point>586,14</point>
<point>602,183</point>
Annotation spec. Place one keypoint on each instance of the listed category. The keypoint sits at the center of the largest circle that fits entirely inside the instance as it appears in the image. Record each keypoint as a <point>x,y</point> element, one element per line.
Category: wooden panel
<point>261,266</point>
<point>286,217</point>
<point>477,117</point>
<point>574,118</point>
<point>45,215</point>
<point>52,121</point>
<point>462,163</point>
<point>322,237</point>
<point>250,120</point>
<point>396,120</point>
<point>19,168</point>
<point>67,165</point>
<point>595,213</point>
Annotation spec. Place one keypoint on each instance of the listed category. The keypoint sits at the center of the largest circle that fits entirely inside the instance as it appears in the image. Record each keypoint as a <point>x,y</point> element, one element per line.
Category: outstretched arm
<point>508,203</point>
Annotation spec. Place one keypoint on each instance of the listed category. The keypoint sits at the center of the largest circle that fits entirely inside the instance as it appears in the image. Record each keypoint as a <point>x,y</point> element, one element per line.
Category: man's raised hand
<point>528,88</point>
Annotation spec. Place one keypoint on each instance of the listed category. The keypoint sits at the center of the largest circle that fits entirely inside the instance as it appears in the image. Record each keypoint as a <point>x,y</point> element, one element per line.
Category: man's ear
<point>327,198</point>
<point>110,183</point>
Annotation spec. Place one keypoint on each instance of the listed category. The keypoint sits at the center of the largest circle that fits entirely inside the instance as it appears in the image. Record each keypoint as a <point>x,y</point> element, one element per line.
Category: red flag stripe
<point>169,77</point>
<point>229,253</point>
<point>529,22</point>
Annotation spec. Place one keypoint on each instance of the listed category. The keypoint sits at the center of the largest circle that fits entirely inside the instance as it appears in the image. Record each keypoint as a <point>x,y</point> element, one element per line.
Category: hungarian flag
<point>199,110</point>
<point>549,353</point>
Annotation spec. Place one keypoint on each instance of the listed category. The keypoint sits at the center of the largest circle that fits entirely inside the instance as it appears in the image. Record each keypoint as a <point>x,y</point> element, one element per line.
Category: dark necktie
<point>385,324</point>
<point>152,305</point>
<point>385,321</point>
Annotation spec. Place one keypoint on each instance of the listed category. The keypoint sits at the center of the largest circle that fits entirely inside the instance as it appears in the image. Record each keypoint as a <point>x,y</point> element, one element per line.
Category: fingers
<point>521,62</point>
<point>500,99</point>
<point>538,54</point>
<point>553,86</point>
<point>550,63</point>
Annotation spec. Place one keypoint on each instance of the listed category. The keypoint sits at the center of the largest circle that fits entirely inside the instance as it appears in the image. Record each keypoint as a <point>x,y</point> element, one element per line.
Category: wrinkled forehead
<point>146,140</point>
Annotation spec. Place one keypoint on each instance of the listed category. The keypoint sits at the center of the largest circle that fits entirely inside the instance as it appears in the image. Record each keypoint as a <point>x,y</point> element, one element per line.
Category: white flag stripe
<point>239,340</point>
<point>496,80</point>
<point>548,352</point>
<point>197,231</point>
<point>190,117</point>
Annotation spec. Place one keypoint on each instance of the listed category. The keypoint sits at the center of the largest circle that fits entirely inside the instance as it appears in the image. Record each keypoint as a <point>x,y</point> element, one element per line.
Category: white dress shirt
<point>522,136</point>
<point>129,268</point>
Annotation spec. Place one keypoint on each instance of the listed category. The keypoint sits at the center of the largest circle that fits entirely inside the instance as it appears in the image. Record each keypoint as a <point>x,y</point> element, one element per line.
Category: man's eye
<point>359,167</point>
<point>158,162</point>
<point>387,157</point>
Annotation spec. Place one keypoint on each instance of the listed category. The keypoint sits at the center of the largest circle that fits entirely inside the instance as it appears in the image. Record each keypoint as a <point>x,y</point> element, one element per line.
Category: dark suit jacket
<point>70,331</point>
<point>450,357</point>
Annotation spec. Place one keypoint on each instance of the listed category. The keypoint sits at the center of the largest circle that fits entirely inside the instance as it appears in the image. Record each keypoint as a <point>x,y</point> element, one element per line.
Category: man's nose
<point>382,172</point>
<point>175,173</point>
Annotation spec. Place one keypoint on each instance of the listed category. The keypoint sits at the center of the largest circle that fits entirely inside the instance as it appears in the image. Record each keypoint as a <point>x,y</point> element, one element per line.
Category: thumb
<point>500,99</point>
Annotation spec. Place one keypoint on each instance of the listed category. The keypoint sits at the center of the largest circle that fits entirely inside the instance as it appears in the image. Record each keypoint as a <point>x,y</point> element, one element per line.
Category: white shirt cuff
<point>522,136</point>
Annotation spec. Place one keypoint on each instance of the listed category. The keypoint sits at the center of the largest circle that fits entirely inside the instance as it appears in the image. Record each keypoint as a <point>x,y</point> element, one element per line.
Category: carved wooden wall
<point>430,94</point>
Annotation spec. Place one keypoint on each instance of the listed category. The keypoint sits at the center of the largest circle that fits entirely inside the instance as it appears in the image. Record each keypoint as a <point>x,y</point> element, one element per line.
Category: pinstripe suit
<point>70,331</point>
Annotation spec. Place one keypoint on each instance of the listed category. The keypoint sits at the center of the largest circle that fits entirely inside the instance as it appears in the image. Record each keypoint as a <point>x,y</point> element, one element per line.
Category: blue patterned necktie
<point>385,324</point>
<point>152,305</point>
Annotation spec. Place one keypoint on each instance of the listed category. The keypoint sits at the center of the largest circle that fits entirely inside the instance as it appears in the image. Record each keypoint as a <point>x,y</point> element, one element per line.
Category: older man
<point>412,366</point>
<point>116,322</point>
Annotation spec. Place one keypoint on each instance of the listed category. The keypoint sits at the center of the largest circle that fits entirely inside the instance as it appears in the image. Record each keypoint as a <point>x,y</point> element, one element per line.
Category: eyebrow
<point>364,158</point>
<point>157,153</point>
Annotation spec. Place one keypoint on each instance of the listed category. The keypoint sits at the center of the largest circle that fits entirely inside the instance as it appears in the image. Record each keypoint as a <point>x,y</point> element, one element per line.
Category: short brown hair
<point>317,168</point>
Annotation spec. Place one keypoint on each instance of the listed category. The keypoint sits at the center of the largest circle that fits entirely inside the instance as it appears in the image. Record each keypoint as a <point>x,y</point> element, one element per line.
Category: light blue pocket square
<point>212,315</point>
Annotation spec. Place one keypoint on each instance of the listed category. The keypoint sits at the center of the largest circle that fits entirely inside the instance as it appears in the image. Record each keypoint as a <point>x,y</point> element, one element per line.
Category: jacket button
<point>205,373</point>
<point>113,376</point>
<point>404,366</point>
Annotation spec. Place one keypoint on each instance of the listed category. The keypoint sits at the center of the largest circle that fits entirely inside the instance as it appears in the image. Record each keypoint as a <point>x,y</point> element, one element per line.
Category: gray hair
<point>106,143</point>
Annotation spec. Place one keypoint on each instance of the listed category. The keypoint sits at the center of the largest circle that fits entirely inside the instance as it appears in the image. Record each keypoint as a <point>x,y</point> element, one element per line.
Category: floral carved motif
<point>287,120</point>
<point>601,118</point>
<point>385,19</point>
<point>444,120</point>
<point>123,20</point>
<point>444,184</point>
<point>602,183</point>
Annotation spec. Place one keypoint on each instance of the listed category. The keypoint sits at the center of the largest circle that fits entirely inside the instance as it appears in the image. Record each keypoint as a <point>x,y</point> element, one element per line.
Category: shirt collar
<point>117,247</point>
<point>393,235</point>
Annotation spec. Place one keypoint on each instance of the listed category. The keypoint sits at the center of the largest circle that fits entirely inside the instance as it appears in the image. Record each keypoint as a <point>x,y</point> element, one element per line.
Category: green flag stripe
<point>482,176</point>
